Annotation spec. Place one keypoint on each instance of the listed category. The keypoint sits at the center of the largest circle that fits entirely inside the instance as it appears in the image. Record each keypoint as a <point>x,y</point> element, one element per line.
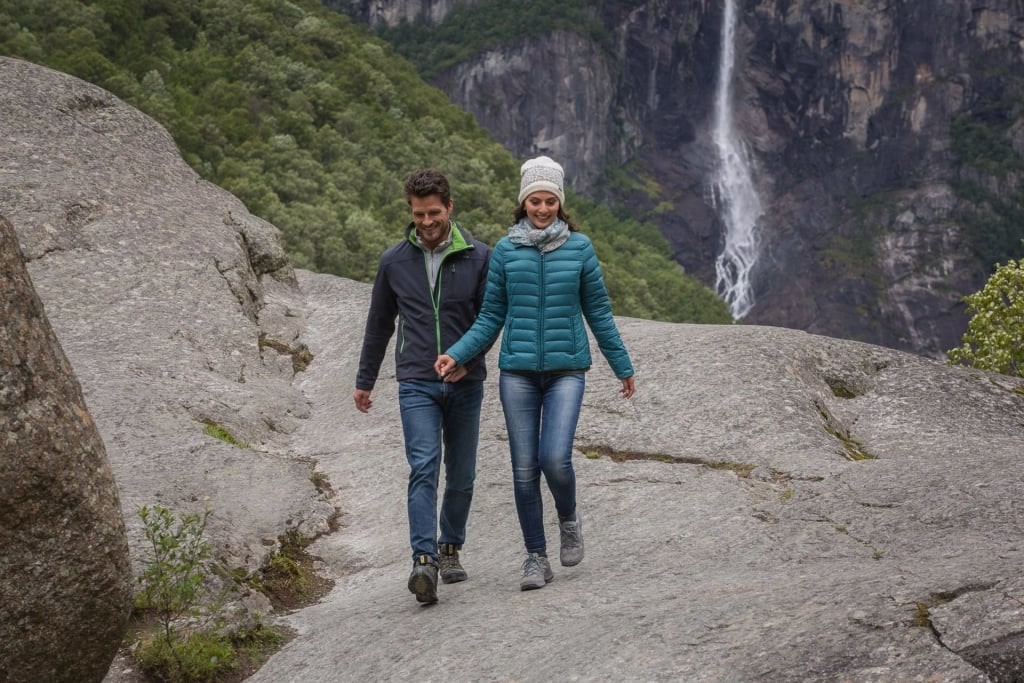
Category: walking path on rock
<point>812,568</point>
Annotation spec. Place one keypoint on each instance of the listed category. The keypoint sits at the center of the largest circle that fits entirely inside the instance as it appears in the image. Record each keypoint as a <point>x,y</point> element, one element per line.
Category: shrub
<point>172,589</point>
<point>995,334</point>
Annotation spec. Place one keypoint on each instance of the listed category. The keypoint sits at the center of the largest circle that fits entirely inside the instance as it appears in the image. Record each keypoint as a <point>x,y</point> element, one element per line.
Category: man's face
<point>430,216</point>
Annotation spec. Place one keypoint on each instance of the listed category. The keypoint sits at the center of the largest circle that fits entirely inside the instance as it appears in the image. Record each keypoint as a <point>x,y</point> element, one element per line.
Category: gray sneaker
<point>451,568</point>
<point>536,572</point>
<point>423,579</point>
<point>572,541</point>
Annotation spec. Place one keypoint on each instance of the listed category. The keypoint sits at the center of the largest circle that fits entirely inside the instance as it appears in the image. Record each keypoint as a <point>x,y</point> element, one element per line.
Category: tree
<point>995,335</point>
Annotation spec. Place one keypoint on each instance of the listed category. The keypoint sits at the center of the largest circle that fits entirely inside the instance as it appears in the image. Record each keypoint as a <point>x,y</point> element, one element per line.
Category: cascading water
<point>733,190</point>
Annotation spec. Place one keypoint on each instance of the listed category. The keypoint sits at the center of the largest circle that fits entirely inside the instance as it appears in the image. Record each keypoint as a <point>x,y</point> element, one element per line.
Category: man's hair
<point>426,182</point>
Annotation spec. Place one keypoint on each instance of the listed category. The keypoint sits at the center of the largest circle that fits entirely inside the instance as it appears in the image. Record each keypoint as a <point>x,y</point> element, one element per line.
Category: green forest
<point>314,122</point>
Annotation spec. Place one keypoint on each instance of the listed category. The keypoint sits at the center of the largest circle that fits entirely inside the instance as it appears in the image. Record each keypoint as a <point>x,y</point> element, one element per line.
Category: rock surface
<point>771,506</point>
<point>65,576</point>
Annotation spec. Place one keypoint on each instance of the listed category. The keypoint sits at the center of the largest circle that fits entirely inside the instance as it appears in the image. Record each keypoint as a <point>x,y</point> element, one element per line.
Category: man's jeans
<point>432,413</point>
<point>541,412</point>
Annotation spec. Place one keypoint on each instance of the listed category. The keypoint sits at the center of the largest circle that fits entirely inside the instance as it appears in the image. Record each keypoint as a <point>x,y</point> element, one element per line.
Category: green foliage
<point>983,146</point>
<point>995,222</point>
<point>186,646</point>
<point>995,335</point>
<point>314,123</point>
<point>470,28</point>
<point>222,434</point>
<point>173,578</point>
<point>289,579</point>
<point>199,657</point>
<point>172,588</point>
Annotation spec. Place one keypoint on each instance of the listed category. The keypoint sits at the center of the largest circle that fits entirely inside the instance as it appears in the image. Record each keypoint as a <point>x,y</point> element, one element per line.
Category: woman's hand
<point>444,365</point>
<point>628,387</point>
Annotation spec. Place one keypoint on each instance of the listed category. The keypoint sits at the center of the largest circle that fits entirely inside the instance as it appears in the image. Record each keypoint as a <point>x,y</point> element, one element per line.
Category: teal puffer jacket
<point>542,300</point>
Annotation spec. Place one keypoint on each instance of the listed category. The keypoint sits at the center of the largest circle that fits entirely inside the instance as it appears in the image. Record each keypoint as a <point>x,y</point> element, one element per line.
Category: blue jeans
<point>541,412</point>
<point>436,413</point>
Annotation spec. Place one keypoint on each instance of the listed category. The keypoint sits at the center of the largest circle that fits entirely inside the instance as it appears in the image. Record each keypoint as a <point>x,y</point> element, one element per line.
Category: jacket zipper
<point>540,312</point>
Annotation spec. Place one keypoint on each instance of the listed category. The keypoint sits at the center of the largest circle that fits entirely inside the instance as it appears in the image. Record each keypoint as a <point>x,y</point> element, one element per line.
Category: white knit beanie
<point>542,173</point>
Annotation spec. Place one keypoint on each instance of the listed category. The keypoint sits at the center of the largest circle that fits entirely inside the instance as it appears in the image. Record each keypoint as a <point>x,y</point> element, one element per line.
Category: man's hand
<point>628,387</point>
<point>455,375</point>
<point>363,400</point>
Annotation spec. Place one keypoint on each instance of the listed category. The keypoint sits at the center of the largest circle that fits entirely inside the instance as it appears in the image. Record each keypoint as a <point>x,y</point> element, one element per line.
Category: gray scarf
<point>548,239</point>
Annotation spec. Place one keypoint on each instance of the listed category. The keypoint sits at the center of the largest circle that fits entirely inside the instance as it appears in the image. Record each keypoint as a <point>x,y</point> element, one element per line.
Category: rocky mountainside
<point>886,142</point>
<point>771,506</point>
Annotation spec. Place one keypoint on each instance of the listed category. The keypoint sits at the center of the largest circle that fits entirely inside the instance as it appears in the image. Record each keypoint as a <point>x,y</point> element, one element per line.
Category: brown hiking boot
<point>451,569</point>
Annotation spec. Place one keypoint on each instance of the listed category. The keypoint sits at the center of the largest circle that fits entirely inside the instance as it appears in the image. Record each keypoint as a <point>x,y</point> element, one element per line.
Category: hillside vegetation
<point>314,123</point>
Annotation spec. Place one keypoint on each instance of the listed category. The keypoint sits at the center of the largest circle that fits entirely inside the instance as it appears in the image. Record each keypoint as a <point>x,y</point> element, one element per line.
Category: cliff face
<point>886,141</point>
<point>501,90</point>
<point>851,109</point>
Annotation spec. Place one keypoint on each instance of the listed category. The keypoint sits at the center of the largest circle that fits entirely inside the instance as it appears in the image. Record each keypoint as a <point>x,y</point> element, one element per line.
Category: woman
<point>543,281</point>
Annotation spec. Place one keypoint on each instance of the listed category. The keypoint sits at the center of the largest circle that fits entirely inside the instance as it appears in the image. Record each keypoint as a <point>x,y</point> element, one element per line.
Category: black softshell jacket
<point>428,322</point>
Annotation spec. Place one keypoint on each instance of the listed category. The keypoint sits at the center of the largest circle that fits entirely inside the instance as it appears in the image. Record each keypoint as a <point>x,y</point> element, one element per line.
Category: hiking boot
<point>536,572</point>
<point>572,541</point>
<point>451,569</point>
<point>423,580</point>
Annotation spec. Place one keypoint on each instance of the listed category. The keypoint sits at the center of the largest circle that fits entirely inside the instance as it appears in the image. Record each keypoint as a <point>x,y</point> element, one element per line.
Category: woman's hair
<point>520,213</point>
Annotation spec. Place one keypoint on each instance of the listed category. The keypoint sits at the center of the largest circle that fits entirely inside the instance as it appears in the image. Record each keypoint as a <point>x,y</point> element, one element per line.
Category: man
<point>433,283</point>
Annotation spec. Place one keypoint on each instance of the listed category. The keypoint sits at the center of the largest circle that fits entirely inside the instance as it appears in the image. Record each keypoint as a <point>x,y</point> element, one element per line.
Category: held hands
<point>455,375</point>
<point>447,369</point>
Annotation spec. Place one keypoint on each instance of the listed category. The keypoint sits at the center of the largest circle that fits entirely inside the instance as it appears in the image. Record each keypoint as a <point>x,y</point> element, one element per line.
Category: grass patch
<point>301,355</point>
<point>852,450</point>
<point>922,615</point>
<point>289,579</point>
<point>322,483</point>
<point>199,656</point>
<point>204,656</point>
<point>218,432</point>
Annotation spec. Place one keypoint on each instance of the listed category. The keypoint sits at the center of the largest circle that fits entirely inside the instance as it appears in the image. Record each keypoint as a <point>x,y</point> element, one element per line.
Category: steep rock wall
<point>501,88</point>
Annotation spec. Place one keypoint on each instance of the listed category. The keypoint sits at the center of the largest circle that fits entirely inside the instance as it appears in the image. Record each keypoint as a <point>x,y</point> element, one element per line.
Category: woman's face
<point>541,208</point>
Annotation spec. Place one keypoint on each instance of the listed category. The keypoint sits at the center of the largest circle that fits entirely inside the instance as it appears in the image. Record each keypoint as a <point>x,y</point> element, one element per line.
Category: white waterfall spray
<point>734,194</point>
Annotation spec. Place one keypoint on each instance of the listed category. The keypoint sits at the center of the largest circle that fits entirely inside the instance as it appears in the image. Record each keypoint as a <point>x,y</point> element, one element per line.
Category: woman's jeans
<point>435,412</point>
<point>541,412</point>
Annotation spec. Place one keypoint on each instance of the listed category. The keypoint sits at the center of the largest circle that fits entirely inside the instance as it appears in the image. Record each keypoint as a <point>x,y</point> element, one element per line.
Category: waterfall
<point>733,189</point>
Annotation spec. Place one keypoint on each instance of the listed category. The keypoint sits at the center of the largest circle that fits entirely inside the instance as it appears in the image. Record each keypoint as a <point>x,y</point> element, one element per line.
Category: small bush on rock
<point>995,334</point>
<point>172,590</point>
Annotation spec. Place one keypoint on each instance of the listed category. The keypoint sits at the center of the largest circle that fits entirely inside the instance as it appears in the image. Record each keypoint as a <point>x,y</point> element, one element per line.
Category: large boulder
<point>65,575</point>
